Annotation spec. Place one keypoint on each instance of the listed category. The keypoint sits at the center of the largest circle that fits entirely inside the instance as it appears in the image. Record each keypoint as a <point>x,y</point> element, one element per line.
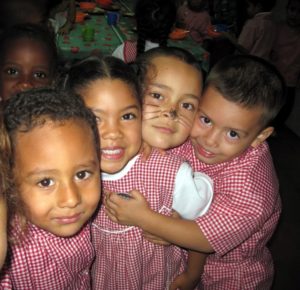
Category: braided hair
<point>154,20</point>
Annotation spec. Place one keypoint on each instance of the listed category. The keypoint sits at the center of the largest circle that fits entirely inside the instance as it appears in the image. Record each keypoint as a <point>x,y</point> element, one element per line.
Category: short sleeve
<point>119,52</point>
<point>193,192</point>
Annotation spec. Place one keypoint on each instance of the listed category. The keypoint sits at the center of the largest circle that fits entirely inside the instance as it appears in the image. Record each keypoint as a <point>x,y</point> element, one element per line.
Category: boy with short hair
<point>243,94</point>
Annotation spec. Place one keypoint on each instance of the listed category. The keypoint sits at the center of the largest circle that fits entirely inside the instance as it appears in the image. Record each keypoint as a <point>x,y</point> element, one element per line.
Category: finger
<point>111,216</point>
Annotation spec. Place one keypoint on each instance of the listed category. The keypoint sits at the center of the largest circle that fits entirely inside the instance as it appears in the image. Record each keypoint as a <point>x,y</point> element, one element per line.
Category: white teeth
<point>111,152</point>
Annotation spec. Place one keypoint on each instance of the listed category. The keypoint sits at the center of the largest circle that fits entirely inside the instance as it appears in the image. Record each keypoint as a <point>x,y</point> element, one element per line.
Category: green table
<point>107,38</point>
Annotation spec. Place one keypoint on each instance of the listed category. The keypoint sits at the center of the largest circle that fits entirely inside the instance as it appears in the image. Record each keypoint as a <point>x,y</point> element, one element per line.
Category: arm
<point>189,279</point>
<point>135,211</point>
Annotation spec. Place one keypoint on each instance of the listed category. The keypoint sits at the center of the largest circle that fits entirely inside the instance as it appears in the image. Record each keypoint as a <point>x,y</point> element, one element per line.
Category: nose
<point>24,83</point>
<point>69,195</point>
<point>111,130</point>
<point>171,113</point>
<point>211,137</point>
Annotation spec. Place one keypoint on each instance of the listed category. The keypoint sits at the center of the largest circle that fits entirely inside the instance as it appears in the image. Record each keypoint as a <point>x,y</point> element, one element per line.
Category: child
<point>172,86</point>
<point>154,21</point>
<point>4,187</point>
<point>242,96</point>
<point>126,260</point>
<point>259,32</point>
<point>193,16</point>
<point>3,237</point>
<point>57,190</point>
<point>286,56</point>
<point>28,58</point>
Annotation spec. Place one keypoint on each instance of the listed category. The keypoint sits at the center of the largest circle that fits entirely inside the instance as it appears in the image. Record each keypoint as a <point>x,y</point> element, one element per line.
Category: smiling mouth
<point>112,153</point>
<point>68,219</point>
<point>203,152</point>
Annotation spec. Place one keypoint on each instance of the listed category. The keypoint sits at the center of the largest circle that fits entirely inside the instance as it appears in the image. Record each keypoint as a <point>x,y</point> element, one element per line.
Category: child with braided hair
<point>154,21</point>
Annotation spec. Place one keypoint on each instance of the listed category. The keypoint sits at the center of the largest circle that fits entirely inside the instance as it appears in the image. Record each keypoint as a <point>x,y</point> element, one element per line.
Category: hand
<point>126,211</point>
<point>146,151</point>
<point>155,240</point>
<point>183,282</point>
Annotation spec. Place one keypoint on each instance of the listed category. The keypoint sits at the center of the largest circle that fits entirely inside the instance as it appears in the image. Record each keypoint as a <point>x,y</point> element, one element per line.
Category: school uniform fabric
<point>127,51</point>
<point>241,219</point>
<point>196,22</point>
<point>258,35</point>
<point>124,259</point>
<point>286,54</point>
<point>45,261</point>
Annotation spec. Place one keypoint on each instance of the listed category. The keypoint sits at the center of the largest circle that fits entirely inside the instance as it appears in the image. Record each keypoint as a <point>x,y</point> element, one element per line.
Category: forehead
<point>109,94</point>
<point>59,134</point>
<point>26,47</point>
<point>227,113</point>
<point>170,63</point>
<point>174,72</point>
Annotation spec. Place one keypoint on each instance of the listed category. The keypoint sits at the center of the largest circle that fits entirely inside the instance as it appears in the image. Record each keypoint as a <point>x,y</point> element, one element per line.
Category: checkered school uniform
<point>241,219</point>
<point>45,261</point>
<point>124,259</point>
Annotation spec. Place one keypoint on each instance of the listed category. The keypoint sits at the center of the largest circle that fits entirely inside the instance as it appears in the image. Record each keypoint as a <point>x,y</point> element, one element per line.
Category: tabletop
<point>108,37</point>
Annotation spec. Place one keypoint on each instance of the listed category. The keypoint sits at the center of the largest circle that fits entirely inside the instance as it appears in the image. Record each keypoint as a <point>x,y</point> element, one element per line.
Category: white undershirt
<point>193,191</point>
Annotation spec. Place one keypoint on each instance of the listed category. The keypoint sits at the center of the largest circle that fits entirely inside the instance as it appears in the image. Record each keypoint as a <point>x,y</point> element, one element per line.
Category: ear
<point>262,136</point>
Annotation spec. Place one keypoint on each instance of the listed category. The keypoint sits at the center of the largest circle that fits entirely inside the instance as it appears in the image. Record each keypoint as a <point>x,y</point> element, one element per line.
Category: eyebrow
<point>41,171</point>
<point>125,109</point>
<point>162,86</point>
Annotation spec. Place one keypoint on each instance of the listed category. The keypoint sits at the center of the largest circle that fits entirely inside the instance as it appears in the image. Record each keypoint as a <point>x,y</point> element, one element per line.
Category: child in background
<point>126,260</point>
<point>28,59</point>
<point>154,21</point>
<point>172,85</point>
<point>193,16</point>
<point>286,56</point>
<point>242,96</point>
<point>259,32</point>
<point>57,189</point>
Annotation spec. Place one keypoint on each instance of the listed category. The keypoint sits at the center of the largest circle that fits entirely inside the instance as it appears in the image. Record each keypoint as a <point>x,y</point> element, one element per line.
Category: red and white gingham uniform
<point>127,51</point>
<point>241,219</point>
<point>124,259</point>
<point>45,261</point>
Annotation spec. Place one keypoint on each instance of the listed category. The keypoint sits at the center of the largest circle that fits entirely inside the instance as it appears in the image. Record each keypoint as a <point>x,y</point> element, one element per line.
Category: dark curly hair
<point>154,21</point>
<point>30,109</point>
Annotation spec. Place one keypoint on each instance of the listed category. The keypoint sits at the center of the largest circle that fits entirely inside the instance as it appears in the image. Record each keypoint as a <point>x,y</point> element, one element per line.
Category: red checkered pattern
<point>129,51</point>
<point>124,260</point>
<point>241,219</point>
<point>45,261</point>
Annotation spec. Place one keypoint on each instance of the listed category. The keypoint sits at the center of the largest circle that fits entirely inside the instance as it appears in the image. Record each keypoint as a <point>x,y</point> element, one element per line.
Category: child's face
<point>119,121</point>
<point>24,66</point>
<point>223,130</point>
<point>58,176</point>
<point>170,102</point>
<point>293,13</point>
